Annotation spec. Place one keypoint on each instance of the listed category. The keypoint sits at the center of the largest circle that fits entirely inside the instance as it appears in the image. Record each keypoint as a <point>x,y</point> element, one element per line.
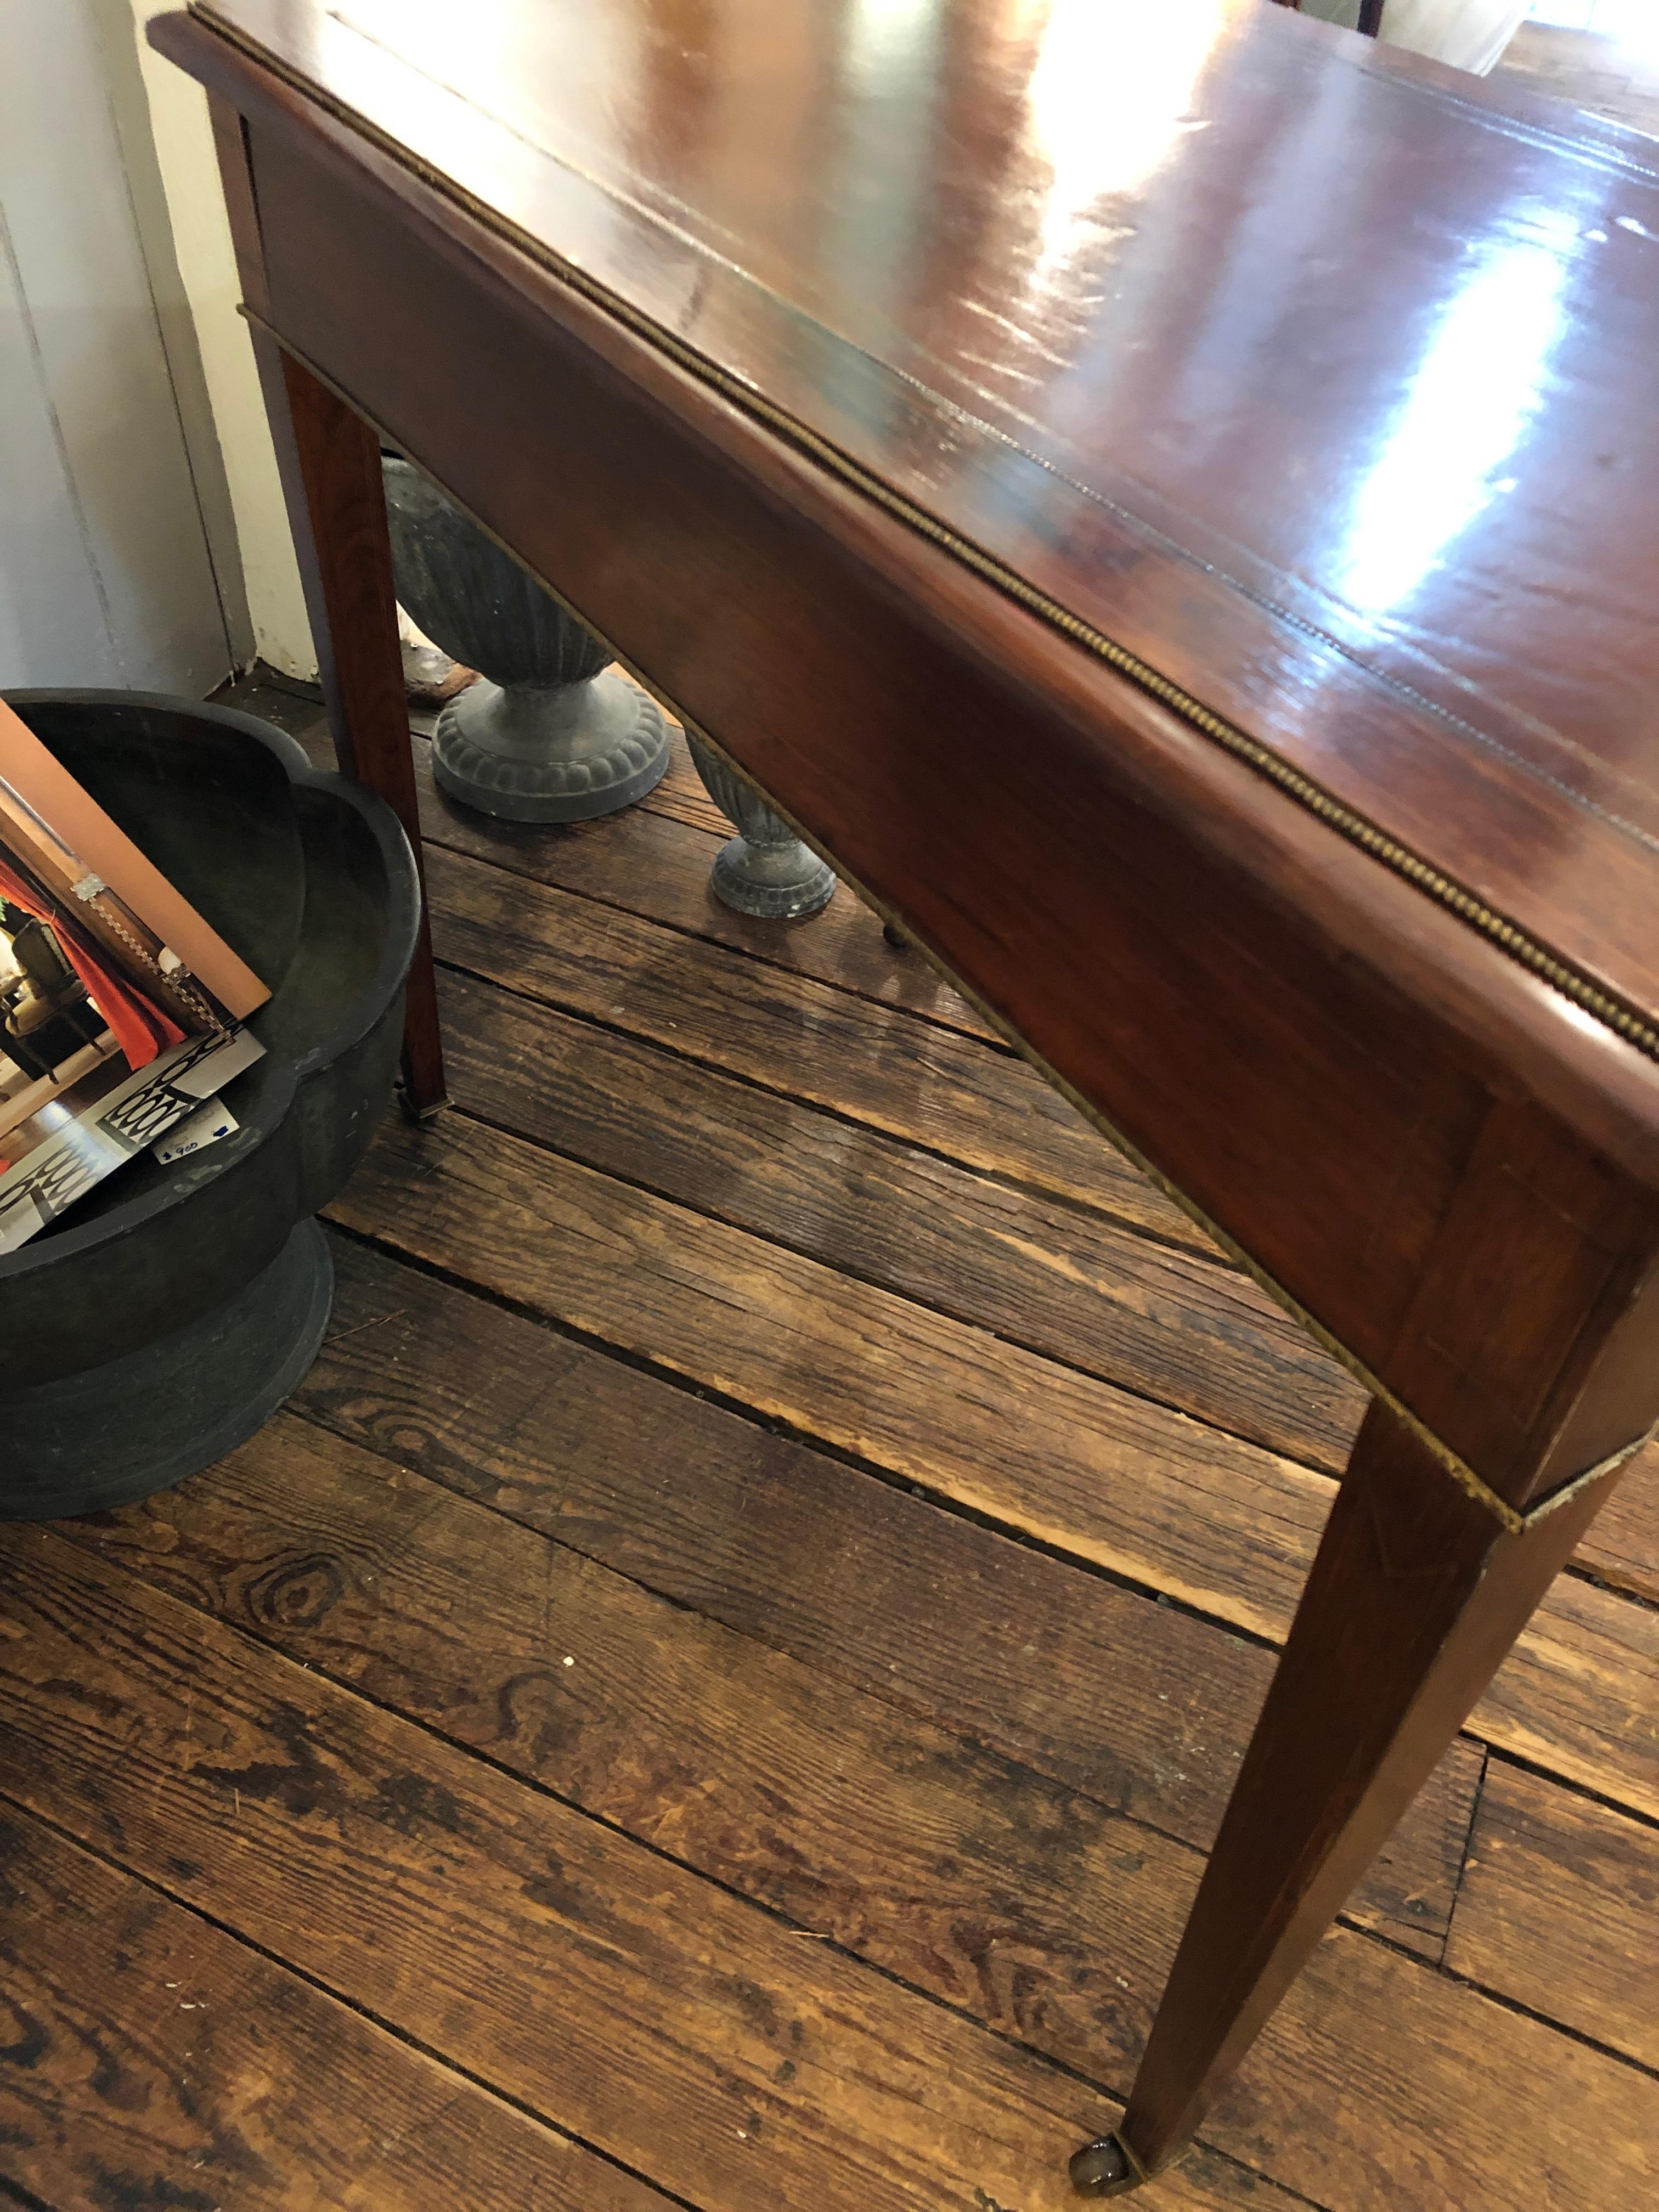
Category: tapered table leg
<point>1418,1591</point>
<point>330,460</point>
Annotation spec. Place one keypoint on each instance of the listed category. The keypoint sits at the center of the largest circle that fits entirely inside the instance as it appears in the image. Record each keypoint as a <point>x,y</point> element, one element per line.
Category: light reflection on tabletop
<point>1481,379</point>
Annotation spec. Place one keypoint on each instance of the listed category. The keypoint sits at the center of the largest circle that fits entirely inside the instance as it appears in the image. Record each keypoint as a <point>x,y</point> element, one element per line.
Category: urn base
<point>556,753</point>
<point>765,870</point>
<point>778,883</point>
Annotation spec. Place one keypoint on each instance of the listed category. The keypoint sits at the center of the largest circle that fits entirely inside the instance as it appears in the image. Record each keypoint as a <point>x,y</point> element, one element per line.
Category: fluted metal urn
<point>550,731</point>
<point>765,869</point>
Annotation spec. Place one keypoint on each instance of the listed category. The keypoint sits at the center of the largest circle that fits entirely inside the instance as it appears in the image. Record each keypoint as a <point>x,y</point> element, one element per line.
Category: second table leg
<point>329,459</point>
<point>1416,1595</point>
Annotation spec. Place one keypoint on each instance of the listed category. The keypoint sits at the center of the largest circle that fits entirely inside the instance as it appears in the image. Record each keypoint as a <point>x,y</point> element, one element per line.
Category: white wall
<point>108,573</point>
<point>207,265</point>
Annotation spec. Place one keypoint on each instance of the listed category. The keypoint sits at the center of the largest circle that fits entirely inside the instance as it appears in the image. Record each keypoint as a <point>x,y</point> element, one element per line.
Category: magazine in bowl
<point>121,1010</point>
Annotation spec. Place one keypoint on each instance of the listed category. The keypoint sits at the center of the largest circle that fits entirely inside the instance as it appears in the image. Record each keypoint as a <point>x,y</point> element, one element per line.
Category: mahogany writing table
<point>1164,497</point>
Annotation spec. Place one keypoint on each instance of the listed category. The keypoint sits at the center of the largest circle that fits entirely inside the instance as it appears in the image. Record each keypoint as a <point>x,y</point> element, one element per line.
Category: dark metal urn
<point>164,1318</point>
<point>550,732</point>
<point>765,870</point>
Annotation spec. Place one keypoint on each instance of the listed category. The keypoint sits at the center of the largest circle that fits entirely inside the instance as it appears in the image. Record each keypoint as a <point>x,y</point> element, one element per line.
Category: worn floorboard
<point>1055,1455</point>
<point>1133,1705</point>
<point>1048,1918</point>
<point>829,1049</point>
<point>153,2060</point>
<point>716,1691</point>
<point>1058,1279</point>
<point>1541,1859</point>
<point>866,1061</point>
<point>684,2031</point>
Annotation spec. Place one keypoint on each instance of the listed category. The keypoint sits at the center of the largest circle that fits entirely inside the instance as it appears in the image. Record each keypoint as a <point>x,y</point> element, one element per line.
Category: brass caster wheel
<point>419,1114</point>
<point>1102,2169</point>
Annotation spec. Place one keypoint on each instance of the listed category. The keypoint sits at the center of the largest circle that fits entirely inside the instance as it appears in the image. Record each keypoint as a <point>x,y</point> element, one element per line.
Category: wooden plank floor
<point>716,1691</point>
<point>1591,70</point>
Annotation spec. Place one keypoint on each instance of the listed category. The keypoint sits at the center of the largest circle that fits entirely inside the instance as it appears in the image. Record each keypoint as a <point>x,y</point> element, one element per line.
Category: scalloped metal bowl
<point>166,1316</point>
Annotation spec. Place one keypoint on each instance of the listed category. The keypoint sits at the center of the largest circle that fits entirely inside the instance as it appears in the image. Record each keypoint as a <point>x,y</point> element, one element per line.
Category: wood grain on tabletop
<point>1038,380</point>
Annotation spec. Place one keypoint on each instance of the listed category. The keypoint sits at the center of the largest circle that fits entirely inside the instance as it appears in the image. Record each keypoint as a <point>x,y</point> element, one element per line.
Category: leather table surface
<point>1320,379</point>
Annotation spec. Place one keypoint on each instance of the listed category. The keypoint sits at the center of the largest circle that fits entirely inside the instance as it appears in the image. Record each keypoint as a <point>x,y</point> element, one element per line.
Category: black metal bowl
<point>163,1318</point>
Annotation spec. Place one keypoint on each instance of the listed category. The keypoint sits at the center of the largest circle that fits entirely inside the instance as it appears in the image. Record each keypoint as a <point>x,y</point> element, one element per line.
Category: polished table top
<point>1316,381</point>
